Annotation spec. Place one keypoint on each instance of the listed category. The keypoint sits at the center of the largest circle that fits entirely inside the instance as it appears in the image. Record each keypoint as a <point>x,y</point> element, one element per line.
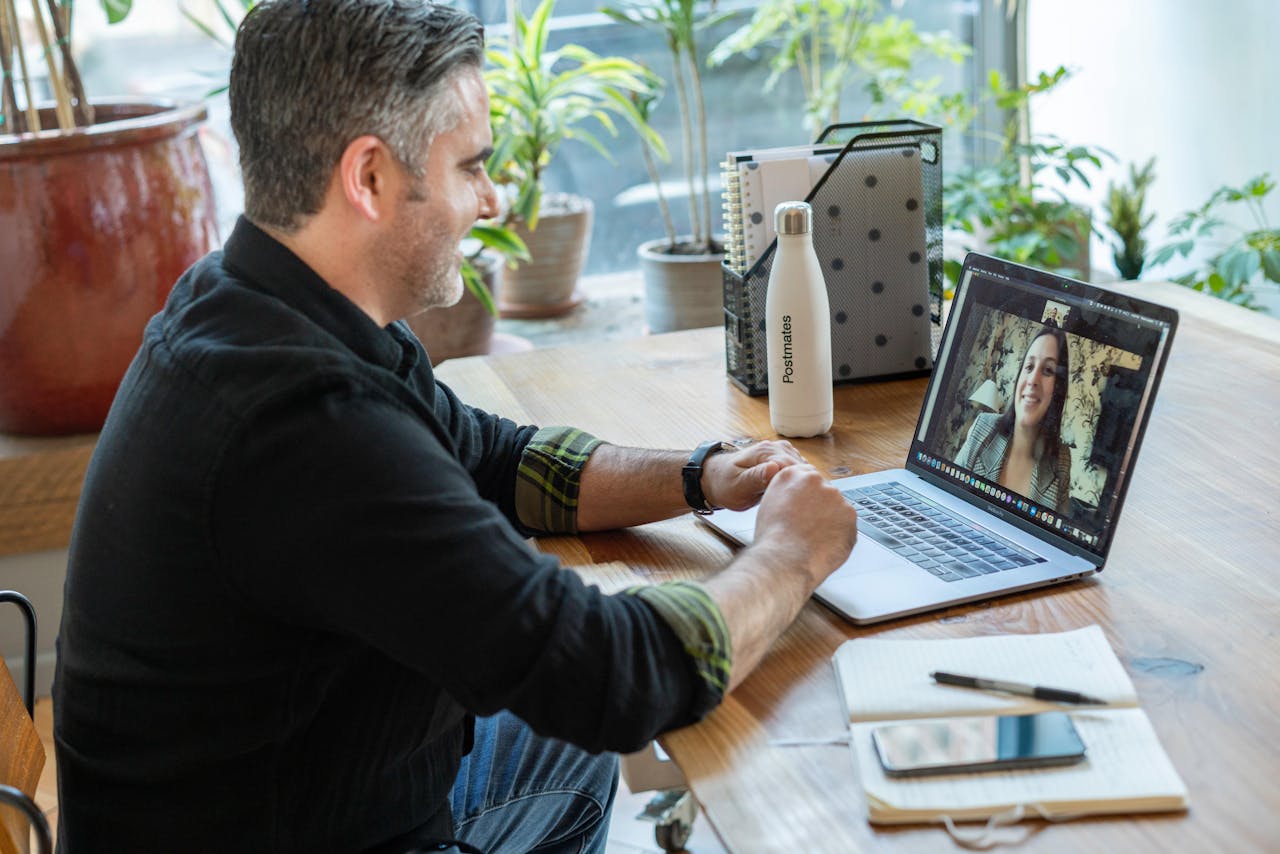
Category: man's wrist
<point>691,476</point>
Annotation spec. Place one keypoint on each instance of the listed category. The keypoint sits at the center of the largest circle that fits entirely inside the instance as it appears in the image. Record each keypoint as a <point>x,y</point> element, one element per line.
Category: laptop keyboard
<point>939,542</point>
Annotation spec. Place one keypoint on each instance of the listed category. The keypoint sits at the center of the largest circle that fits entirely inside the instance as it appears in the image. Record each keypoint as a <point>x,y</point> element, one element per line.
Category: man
<point>299,567</point>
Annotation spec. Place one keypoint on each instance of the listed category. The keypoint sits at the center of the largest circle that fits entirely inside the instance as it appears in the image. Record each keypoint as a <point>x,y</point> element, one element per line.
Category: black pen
<point>1038,691</point>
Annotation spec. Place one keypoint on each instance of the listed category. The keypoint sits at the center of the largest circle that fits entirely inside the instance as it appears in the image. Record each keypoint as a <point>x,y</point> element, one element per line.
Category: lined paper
<point>889,679</point>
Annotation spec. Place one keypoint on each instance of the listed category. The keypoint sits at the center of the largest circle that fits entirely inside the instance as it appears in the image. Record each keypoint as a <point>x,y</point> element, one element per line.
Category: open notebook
<point>1125,768</point>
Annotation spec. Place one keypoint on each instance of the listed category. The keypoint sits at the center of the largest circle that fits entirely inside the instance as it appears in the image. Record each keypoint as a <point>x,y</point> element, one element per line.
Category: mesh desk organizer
<point>877,230</point>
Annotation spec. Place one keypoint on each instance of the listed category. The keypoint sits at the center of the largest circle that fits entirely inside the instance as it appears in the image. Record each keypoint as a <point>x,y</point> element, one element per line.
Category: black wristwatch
<point>691,476</point>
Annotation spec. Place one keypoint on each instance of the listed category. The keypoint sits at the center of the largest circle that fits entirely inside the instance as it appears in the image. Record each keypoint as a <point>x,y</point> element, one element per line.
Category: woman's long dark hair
<point>1051,425</point>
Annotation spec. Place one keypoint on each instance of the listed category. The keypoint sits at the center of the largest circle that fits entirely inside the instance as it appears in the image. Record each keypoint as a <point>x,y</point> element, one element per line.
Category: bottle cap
<point>792,218</point>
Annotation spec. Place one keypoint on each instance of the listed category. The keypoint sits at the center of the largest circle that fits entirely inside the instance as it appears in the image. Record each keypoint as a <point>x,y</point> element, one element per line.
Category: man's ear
<point>366,173</point>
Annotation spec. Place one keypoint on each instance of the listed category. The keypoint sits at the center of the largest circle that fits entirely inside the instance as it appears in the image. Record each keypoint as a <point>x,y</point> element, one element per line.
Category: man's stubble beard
<point>430,275</point>
<point>440,289</point>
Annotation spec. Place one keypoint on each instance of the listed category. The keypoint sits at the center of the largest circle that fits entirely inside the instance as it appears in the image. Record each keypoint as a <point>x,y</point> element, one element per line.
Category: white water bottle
<point>798,329</point>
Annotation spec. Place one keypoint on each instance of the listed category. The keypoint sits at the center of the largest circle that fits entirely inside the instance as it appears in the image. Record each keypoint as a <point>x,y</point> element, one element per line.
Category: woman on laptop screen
<point>1021,448</point>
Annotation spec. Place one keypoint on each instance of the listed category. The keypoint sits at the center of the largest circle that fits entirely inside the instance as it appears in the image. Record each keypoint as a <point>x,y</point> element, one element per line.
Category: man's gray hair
<point>310,76</point>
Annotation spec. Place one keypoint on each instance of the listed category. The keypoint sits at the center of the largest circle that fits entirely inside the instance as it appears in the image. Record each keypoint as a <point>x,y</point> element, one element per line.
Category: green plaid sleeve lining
<point>548,478</point>
<point>696,619</point>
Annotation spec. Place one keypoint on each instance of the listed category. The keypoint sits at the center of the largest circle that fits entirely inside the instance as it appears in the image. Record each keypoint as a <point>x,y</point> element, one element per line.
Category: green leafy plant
<point>679,23</point>
<point>832,44</point>
<point>1008,204</point>
<point>1128,221</point>
<point>541,98</point>
<point>500,240</point>
<point>1251,257</point>
<point>644,105</point>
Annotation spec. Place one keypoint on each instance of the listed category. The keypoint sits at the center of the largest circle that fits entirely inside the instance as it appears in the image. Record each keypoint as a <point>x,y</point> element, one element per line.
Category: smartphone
<point>977,744</point>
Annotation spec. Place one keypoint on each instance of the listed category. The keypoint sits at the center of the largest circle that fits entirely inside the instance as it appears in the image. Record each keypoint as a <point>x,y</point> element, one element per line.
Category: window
<point>740,115</point>
<point>167,56</point>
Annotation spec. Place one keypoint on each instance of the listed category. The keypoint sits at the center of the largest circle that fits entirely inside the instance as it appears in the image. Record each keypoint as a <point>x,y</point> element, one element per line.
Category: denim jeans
<point>517,791</point>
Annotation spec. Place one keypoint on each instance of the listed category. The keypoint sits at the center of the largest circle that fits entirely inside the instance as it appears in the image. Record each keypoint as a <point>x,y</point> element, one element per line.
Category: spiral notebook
<point>756,182</point>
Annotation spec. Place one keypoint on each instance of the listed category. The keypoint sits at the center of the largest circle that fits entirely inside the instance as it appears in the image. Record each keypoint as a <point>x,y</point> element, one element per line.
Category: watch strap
<point>691,476</point>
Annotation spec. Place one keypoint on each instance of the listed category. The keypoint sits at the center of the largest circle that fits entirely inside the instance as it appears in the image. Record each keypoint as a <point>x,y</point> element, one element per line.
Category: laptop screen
<point>1040,396</point>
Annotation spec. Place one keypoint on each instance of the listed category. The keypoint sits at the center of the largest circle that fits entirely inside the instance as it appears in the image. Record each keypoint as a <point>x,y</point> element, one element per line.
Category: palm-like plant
<point>679,23</point>
<point>1127,219</point>
<point>541,98</point>
<point>832,43</point>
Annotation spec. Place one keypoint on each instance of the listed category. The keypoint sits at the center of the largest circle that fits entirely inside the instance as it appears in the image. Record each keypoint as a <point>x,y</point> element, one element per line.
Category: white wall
<point>1195,83</point>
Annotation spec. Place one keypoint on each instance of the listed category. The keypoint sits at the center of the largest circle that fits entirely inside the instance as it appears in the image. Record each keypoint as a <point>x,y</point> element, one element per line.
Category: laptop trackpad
<point>874,582</point>
<point>869,556</point>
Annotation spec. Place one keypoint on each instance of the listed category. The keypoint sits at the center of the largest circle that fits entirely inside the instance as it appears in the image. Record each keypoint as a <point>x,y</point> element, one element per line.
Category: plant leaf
<point>502,240</point>
<point>1271,264</point>
<point>1237,266</point>
<point>202,26</point>
<point>117,10</point>
<point>475,284</point>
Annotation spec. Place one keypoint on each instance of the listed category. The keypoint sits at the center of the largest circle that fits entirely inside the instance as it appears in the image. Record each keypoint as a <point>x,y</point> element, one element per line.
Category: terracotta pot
<point>96,224</point>
<point>545,286</point>
<point>681,291</point>
<point>465,328</point>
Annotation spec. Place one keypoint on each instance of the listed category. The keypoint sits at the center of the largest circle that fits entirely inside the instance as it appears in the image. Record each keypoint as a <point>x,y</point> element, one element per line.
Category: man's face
<point>419,253</point>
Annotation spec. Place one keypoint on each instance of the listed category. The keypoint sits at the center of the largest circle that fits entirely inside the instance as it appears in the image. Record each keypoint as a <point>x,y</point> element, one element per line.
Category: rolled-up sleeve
<point>696,620</point>
<point>547,485</point>
<point>549,477</point>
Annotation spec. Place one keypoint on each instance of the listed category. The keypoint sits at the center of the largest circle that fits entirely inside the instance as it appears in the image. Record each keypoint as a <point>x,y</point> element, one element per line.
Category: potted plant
<point>107,202</point>
<point>1246,269</point>
<point>1127,219</point>
<point>1007,209</point>
<point>682,278</point>
<point>541,98</point>
<point>832,44</point>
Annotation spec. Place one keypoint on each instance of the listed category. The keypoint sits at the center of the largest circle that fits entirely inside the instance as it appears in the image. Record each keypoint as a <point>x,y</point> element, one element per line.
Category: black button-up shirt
<point>297,569</point>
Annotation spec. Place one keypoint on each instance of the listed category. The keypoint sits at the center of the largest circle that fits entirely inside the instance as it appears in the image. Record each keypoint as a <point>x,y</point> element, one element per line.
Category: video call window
<point>1082,405</point>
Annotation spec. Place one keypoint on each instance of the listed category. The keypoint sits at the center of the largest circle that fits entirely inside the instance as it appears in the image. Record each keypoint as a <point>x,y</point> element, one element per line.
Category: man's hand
<point>805,529</point>
<point>806,518</point>
<point>736,480</point>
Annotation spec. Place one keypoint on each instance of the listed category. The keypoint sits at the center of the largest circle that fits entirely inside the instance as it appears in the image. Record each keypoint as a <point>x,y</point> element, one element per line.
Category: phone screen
<point>978,744</point>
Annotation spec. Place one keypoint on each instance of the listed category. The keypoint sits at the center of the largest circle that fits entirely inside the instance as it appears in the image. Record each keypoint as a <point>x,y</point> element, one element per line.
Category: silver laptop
<point>1020,459</point>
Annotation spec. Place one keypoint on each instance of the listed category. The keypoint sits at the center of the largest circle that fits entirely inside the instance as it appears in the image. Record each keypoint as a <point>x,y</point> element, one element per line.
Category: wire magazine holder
<point>877,231</point>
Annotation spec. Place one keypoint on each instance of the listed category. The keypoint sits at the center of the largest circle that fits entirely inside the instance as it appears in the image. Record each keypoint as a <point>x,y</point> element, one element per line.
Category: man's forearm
<point>630,486</point>
<point>759,595</point>
<point>622,487</point>
<point>804,530</point>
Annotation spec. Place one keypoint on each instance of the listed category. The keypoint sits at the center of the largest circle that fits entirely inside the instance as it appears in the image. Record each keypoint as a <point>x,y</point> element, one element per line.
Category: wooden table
<point>1190,597</point>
